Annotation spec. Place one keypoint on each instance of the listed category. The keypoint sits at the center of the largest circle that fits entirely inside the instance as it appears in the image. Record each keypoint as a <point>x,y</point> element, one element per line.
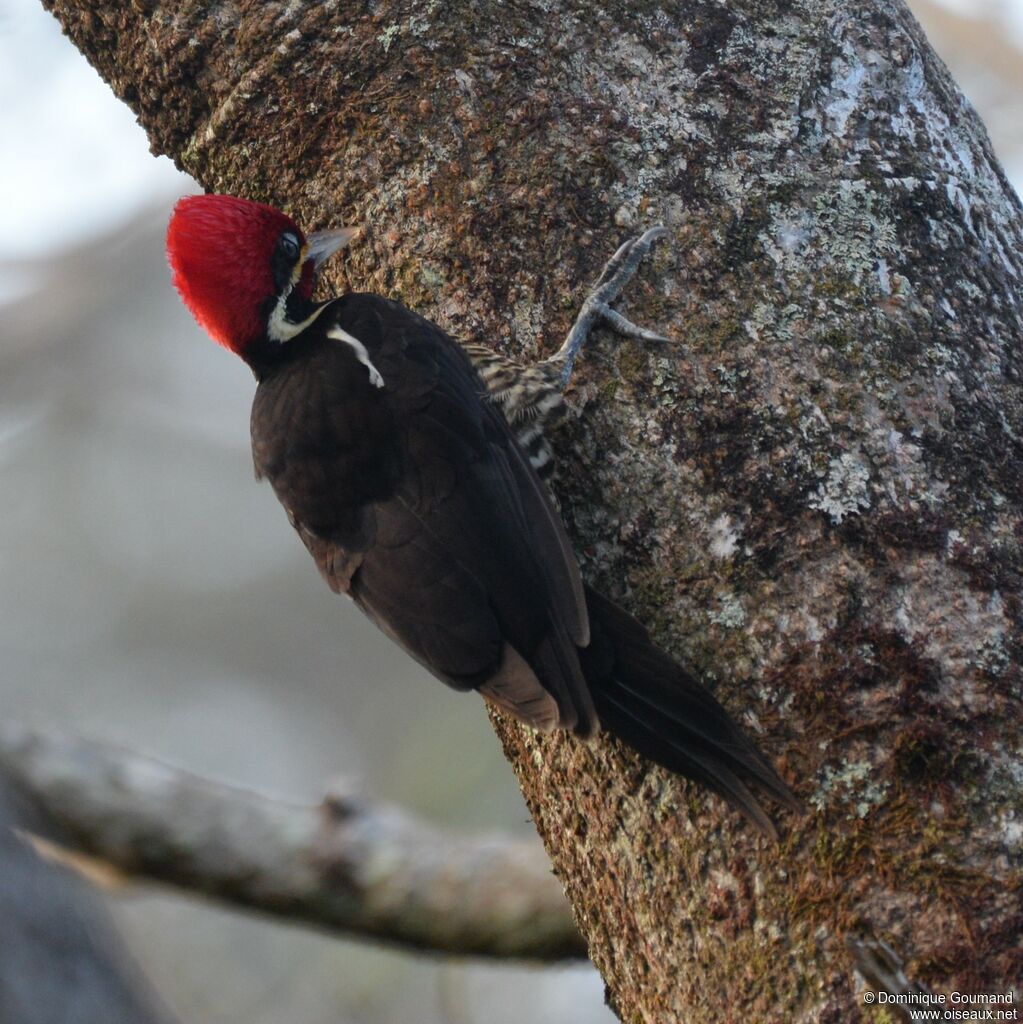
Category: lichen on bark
<point>814,498</point>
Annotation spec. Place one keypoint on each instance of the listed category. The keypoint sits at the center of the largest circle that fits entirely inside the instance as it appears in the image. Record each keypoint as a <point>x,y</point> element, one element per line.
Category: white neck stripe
<point>339,334</point>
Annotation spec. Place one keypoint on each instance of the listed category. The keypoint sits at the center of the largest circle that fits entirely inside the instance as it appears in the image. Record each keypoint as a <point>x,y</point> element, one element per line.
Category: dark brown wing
<point>415,499</point>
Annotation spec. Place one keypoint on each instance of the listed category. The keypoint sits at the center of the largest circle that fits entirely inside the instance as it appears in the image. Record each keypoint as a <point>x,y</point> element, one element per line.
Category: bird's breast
<point>326,437</point>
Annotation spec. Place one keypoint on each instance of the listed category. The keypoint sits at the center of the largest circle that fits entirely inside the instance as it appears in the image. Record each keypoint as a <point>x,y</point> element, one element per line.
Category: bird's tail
<point>651,703</point>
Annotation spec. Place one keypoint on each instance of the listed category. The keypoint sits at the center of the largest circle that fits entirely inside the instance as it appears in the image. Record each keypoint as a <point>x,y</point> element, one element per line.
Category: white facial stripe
<point>277,327</point>
<point>280,328</point>
<point>360,353</point>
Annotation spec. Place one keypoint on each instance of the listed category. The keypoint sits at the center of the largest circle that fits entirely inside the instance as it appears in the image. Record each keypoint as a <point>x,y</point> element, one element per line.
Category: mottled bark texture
<point>814,500</point>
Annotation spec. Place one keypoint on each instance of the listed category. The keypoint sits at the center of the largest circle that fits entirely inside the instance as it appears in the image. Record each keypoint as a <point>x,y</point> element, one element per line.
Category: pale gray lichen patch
<point>415,27</point>
<point>432,277</point>
<point>849,784</point>
<point>770,321</point>
<point>992,658</point>
<point>853,228</point>
<point>730,612</point>
<point>848,79</point>
<point>845,491</point>
<point>388,36</point>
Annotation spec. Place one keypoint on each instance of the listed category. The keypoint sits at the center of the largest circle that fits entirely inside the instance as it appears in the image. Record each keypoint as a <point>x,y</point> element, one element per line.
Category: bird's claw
<point>617,273</point>
<point>622,325</point>
<point>619,269</point>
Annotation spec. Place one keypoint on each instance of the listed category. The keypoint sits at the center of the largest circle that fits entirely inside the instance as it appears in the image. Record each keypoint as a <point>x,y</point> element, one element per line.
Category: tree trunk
<point>814,500</point>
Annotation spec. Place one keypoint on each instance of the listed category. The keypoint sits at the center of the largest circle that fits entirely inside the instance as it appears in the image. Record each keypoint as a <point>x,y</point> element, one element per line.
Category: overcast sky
<point>74,161</point>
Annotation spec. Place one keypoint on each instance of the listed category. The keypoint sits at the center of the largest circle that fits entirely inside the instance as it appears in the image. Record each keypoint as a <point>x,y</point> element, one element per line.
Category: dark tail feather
<point>646,699</point>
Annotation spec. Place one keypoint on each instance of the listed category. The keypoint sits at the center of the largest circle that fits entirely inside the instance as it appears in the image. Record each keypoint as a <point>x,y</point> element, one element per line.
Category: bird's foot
<point>616,275</point>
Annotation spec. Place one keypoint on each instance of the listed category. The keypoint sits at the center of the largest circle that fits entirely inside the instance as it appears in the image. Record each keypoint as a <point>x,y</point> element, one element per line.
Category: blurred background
<point>152,595</point>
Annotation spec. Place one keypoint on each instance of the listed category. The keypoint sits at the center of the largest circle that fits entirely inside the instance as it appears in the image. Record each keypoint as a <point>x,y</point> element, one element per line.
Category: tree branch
<point>347,865</point>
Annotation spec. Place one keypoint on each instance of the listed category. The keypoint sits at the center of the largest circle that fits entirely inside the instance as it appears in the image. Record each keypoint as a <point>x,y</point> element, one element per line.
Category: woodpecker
<point>410,466</point>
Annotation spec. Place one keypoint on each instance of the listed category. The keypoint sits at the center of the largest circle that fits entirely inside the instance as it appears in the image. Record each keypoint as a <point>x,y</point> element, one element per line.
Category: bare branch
<point>348,865</point>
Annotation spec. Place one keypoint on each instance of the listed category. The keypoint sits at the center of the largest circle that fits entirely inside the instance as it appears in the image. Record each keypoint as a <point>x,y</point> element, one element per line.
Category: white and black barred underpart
<point>530,398</point>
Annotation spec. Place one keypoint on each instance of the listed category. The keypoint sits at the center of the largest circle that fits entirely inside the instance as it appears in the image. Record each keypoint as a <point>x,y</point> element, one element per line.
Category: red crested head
<point>244,268</point>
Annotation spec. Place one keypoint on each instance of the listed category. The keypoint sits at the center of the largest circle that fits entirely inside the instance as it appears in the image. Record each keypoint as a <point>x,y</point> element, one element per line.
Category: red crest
<point>219,248</point>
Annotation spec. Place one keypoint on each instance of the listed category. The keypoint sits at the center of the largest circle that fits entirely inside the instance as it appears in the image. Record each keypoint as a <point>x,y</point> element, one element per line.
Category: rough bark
<point>815,501</point>
<point>348,866</point>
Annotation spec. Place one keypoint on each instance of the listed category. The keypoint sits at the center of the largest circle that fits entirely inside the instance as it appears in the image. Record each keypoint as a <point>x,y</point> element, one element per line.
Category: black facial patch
<point>283,260</point>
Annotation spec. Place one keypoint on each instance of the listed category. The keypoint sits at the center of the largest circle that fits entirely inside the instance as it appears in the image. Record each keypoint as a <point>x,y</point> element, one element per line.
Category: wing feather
<point>416,500</point>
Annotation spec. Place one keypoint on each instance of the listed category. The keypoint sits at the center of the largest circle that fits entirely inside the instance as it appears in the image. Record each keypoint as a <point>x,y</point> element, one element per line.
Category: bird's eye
<point>289,246</point>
